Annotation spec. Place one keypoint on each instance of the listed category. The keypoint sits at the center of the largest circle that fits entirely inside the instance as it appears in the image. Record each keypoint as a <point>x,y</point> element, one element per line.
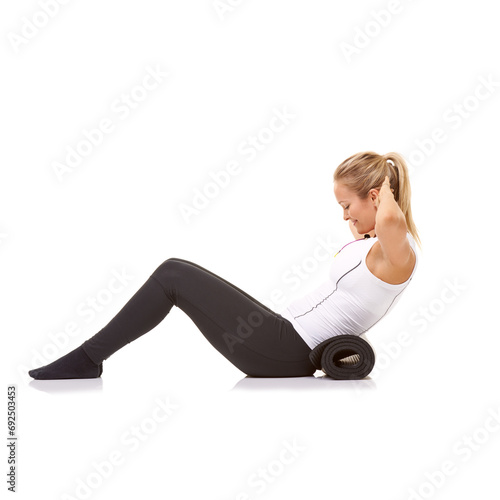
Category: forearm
<point>388,212</point>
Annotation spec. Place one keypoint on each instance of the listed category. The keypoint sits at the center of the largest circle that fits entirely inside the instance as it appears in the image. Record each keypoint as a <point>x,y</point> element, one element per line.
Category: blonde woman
<point>366,279</point>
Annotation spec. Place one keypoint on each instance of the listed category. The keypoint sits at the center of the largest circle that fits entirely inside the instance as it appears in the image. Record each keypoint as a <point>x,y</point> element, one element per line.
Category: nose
<point>346,215</point>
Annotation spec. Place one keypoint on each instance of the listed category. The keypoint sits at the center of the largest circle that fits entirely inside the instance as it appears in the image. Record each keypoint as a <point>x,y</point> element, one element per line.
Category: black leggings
<point>258,341</point>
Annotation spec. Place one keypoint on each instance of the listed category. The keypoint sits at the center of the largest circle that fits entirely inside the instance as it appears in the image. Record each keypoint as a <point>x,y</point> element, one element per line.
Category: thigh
<point>254,338</point>
<point>263,306</point>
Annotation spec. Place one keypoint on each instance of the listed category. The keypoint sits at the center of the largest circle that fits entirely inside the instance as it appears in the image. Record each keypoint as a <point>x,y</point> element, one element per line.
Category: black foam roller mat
<point>344,357</point>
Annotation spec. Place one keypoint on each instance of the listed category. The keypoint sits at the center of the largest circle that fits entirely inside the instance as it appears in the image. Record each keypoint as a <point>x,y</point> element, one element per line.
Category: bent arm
<point>391,229</point>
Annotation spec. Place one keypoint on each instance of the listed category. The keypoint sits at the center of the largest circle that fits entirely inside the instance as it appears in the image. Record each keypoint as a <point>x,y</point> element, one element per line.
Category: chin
<point>362,231</point>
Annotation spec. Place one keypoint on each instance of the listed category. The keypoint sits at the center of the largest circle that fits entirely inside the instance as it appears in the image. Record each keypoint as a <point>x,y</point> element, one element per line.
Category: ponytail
<point>400,182</point>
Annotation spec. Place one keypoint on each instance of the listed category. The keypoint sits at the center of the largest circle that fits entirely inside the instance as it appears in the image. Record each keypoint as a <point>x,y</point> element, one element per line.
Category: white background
<point>62,237</point>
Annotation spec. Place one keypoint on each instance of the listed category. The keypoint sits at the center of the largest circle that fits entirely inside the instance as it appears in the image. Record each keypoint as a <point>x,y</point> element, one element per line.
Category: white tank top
<point>351,301</point>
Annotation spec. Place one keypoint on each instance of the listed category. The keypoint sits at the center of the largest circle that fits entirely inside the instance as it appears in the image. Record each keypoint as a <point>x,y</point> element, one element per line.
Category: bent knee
<point>168,270</point>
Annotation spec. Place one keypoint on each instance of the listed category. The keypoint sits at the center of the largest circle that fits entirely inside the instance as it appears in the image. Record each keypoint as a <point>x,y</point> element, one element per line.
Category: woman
<point>366,279</point>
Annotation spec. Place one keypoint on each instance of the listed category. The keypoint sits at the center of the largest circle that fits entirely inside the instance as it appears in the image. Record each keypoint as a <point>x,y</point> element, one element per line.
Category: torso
<point>380,268</point>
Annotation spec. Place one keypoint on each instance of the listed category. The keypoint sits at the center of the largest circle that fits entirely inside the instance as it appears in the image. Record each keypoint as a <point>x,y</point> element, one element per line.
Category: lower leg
<point>145,310</point>
<point>147,307</point>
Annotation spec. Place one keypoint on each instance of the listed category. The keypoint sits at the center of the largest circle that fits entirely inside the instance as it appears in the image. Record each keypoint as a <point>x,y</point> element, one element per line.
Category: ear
<point>373,194</point>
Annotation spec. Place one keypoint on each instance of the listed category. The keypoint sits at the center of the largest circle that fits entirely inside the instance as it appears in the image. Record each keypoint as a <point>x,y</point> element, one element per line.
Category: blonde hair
<point>367,170</point>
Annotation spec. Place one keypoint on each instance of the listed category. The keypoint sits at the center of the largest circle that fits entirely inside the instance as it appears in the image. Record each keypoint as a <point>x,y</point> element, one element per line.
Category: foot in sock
<point>75,364</point>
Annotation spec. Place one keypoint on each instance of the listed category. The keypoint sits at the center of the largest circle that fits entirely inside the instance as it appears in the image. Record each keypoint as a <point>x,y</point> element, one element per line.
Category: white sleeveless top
<point>351,301</point>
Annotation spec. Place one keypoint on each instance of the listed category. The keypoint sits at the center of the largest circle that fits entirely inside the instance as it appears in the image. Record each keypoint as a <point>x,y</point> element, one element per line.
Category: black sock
<point>75,364</point>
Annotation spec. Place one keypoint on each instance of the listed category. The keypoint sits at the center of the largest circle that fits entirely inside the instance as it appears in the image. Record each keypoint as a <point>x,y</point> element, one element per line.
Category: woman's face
<point>360,212</point>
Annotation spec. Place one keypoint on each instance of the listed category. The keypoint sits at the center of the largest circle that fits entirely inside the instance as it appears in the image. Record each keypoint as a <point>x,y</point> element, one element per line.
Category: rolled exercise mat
<point>344,357</point>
